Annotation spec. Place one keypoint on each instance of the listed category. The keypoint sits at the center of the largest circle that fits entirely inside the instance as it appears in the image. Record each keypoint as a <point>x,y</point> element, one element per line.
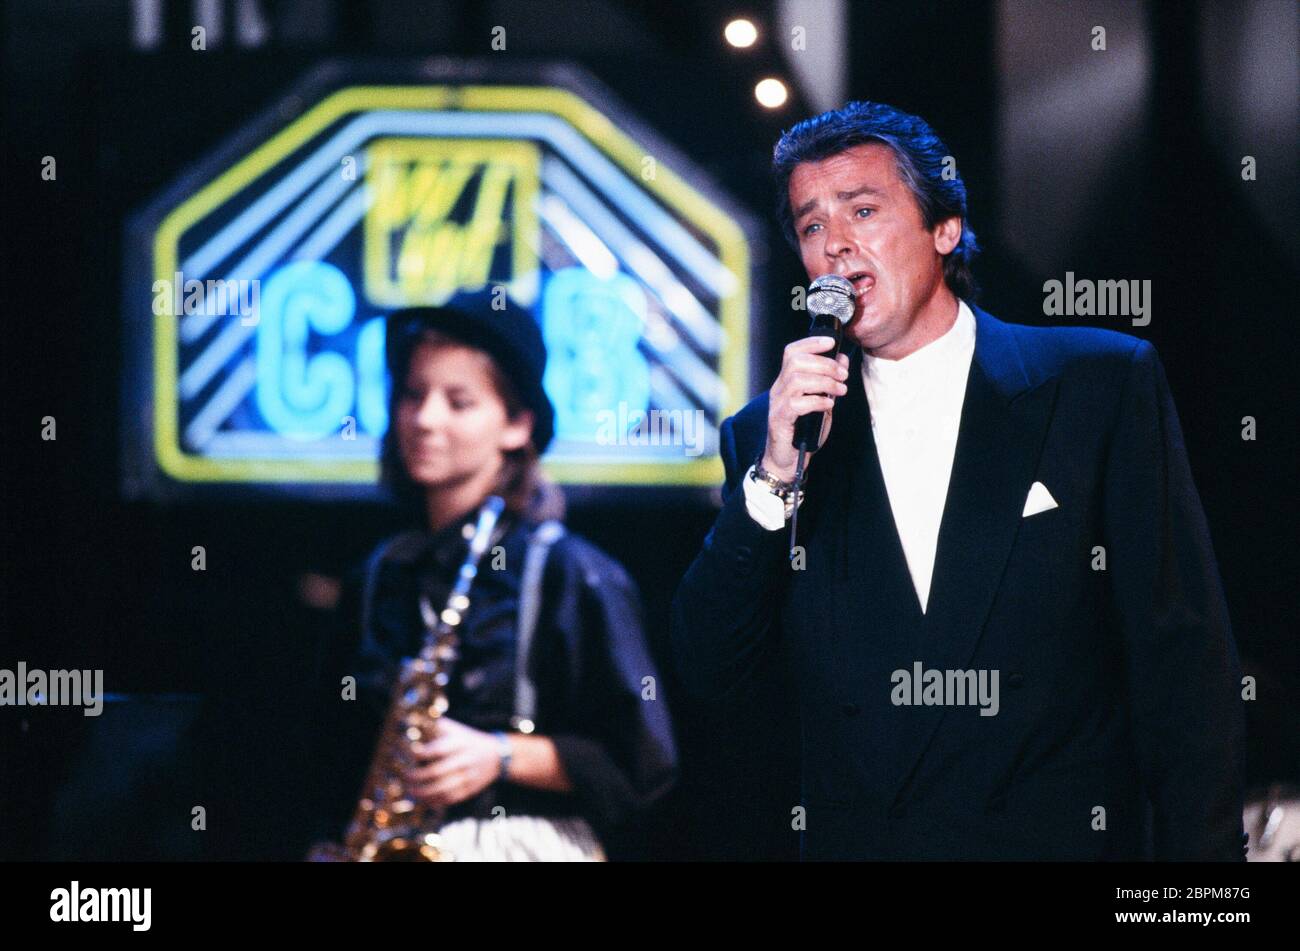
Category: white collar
<point>936,356</point>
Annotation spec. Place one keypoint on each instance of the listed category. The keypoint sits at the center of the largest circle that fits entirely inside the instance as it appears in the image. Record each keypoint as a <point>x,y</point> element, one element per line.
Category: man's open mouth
<point>861,281</point>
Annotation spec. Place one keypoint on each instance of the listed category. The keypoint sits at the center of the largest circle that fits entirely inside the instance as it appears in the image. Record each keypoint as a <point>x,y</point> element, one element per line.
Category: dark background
<point>1115,164</point>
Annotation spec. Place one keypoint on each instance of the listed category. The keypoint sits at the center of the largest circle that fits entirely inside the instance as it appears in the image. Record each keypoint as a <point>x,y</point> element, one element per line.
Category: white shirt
<point>916,407</point>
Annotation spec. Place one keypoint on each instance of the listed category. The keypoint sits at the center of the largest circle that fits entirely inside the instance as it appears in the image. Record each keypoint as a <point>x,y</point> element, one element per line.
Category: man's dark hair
<point>919,155</point>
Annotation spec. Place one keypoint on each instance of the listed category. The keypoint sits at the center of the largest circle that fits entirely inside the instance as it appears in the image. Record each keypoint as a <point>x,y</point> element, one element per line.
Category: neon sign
<point>379,196</point>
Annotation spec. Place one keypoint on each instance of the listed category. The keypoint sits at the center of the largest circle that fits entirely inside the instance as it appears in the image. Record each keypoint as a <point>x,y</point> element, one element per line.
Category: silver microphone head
<point>832,295</point>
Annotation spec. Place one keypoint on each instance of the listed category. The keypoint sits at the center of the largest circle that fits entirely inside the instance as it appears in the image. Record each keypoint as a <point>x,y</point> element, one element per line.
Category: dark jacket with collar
<point>1120,727</point>
<point>587,663</point>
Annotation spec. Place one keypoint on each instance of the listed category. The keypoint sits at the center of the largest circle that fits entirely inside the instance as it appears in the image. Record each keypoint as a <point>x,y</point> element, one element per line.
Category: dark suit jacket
<point>1120,728</point>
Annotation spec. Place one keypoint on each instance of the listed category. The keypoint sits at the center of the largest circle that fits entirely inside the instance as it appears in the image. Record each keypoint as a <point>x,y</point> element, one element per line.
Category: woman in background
<point>568,736</point>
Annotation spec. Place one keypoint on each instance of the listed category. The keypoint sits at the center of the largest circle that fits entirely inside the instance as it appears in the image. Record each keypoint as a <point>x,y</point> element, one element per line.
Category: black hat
<point>502,329</point>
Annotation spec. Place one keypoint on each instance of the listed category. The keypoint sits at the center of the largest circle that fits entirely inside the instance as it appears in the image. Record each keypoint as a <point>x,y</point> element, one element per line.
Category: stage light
<point>770,93</point>
<point>740,33</point>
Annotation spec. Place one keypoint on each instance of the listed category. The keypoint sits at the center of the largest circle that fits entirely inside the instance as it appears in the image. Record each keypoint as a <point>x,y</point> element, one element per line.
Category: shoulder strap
<point>530,596</point>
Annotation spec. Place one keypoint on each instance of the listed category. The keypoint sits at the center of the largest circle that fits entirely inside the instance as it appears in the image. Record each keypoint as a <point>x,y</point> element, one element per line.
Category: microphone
<point>830,301</point>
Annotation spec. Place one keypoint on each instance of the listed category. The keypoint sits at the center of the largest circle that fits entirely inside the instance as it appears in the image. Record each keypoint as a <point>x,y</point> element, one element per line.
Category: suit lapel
<point>873,549</point>
<point>1000,437</point>
<point>874,611</point>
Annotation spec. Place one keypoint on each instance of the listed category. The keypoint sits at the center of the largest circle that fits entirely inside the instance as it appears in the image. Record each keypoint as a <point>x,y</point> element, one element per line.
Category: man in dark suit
<point>1003,613</point>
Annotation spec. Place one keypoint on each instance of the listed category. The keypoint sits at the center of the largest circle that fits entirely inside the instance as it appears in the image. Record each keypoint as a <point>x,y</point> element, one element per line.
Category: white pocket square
<point>1038,500</point>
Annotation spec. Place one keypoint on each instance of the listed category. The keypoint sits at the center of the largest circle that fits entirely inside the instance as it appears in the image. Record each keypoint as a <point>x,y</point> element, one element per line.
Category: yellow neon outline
<point>587,119</point>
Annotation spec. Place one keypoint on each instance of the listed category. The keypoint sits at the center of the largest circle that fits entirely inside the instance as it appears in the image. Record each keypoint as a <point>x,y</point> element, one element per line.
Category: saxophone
<point>388,825</point>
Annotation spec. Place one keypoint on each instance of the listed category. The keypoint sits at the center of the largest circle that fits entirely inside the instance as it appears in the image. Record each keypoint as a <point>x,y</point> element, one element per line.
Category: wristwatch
<point>778,486</point>
<point>788,492</point>
<point>505,752</point>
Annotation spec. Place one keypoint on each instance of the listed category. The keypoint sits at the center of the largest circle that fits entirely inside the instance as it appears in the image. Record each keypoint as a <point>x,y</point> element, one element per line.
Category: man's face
<point>855,217</point>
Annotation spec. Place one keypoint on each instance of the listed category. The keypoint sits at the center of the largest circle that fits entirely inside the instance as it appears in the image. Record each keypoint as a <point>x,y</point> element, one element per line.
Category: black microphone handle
<point>808,427</point>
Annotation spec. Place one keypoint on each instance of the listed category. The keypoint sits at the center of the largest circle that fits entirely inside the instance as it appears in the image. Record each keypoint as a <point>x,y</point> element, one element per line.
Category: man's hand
<point>455,765</point>
<point>807,383</point>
